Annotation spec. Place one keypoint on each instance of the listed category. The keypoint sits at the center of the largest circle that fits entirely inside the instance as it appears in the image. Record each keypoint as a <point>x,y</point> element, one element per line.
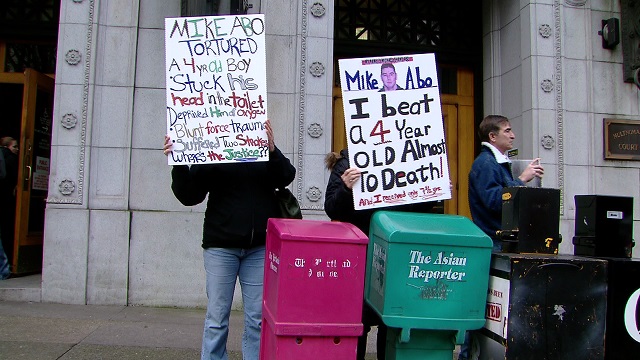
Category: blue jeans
<point>223,266</point>
<point>497,246</point>
<point>465,347</point>
<point>4,264</point>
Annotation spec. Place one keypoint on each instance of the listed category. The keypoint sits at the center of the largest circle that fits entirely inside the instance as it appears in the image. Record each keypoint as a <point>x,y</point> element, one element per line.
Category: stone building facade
<point>114,232</point>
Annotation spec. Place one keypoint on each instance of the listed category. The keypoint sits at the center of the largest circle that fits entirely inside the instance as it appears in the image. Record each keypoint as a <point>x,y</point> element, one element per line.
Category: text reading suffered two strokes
<point>198,143</point>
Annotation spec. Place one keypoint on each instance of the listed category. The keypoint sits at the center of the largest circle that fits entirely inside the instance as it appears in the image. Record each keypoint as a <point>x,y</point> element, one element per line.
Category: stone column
<point>87,220</point>
<point>300,80</point>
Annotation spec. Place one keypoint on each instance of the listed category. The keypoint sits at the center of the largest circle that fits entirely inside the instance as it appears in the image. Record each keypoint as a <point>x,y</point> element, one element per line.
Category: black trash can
<point>544,307</point>
<point>604,226</point>
<point>530,220</point>
<point>622,335</point>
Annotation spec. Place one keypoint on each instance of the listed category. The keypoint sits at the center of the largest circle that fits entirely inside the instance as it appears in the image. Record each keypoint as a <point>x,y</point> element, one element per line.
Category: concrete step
<point>23,288</point>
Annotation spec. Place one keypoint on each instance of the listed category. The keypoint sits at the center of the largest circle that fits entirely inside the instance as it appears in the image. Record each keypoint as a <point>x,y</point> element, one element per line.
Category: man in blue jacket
<point>491,172</point>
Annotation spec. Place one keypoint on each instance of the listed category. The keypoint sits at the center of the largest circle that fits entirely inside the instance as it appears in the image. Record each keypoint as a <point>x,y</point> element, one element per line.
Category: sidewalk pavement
<point>44,331</point>
<point>30,329</point>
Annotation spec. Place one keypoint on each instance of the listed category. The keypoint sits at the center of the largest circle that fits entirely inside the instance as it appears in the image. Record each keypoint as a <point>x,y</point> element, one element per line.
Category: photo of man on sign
<point>395,139</point>
<point>389,77</point>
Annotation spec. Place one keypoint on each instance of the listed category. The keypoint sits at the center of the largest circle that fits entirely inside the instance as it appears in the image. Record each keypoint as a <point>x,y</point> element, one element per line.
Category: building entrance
<point>27,117</point>
<point>450,30</point>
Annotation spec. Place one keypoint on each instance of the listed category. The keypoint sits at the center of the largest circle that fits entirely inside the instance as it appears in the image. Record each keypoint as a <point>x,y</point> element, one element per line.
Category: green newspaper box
<point>427,272</point>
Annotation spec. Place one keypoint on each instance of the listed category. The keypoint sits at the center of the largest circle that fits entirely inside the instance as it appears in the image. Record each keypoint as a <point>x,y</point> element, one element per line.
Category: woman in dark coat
<point>9,148</point>
<point>338,204</point>
<point>240,200</point>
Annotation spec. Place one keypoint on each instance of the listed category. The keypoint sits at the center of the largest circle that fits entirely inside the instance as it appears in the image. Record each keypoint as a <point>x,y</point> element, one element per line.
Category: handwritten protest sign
<point>216,89</point>
<point>395,133</point>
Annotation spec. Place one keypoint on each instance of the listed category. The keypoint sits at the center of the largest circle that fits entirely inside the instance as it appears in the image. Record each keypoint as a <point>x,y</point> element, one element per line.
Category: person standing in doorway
<point>4,263</point>
<point>490,173</point>
<point>240,200</point>
<point>8,189</point>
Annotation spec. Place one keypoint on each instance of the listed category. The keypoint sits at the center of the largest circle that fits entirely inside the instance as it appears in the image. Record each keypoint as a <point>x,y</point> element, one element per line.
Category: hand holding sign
<point>350,177</point>
<point>272,143</point>
<point>167,145</point>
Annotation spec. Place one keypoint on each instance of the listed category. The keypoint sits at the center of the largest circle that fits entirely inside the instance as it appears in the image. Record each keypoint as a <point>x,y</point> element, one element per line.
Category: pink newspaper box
<point>313,290</point>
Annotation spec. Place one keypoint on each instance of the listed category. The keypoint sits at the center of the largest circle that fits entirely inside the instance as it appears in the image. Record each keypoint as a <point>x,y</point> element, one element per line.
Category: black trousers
<point>370,318</point>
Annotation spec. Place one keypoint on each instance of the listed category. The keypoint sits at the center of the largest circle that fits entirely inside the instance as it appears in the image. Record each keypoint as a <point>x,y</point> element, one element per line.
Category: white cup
<point>518,166</point>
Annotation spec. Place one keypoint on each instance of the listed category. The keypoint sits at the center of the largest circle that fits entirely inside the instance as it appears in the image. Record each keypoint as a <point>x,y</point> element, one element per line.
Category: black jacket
<point>338,200</point>
<point>241,198</point>
<point>10,180</point>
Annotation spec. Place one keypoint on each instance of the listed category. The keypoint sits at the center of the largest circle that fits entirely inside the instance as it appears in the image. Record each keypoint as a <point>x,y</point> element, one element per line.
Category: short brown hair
<point>491,123</point>
<point>387,65</point>
<point>6,141</point>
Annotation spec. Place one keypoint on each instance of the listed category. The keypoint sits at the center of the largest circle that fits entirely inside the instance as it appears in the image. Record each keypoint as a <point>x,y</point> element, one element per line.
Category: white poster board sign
<point>216,89</point>
<point>395,133</point>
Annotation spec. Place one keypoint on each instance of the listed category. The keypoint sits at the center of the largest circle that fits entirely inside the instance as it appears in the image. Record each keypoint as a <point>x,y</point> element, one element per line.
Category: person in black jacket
<point>4,264</point>
<point>9,149</point>
<point>338,204</point>
<point>241,199</point>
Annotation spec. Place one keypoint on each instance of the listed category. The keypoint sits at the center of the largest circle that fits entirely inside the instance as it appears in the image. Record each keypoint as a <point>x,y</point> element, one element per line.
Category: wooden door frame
<point>31,82</point>
<point>465,104</point>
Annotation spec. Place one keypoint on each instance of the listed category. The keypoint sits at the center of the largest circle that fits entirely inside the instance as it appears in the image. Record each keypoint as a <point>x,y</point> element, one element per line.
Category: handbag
<point>288,205</point>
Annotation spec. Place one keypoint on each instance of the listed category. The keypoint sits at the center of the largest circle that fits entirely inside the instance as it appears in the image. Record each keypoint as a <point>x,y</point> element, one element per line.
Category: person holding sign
<point>240,200</point>
<point>338,204</point>
<point>491,172</point>
<point>389,77</point>
<point>4,264</point>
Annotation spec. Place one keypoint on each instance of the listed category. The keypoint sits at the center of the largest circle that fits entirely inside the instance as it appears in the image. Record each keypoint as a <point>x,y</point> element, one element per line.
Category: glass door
<point>34,143</point>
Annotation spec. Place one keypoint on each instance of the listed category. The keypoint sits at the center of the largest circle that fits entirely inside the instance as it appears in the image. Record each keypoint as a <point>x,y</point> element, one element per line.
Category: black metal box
<point>622,334</point>
<point>604,226</point>
<point>530,220</point>
<point>544,307</point>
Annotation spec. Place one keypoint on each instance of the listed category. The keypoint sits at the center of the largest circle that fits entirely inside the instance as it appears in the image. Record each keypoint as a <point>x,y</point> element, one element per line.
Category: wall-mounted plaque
<point>621,139</point>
